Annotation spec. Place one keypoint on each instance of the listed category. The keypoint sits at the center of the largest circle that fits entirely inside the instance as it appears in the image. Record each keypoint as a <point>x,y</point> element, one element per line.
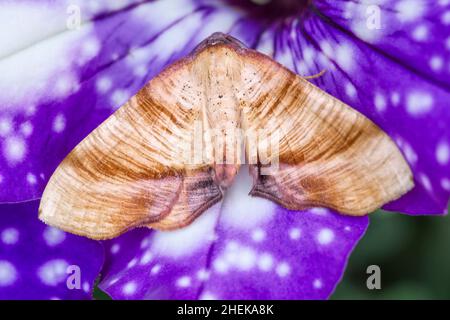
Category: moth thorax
<point>224,174</point>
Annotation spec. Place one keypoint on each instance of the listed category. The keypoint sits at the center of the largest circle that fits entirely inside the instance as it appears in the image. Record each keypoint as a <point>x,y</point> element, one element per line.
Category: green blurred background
<point>413,254</point>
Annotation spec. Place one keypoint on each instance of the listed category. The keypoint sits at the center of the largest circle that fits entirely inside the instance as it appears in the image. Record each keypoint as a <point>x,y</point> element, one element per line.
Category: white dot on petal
<point>6,127</point>
<point>220,265</point>
<point>363,29</point>
<point>442,153</point>
<point>114,248</point>
<point>89,49</point>
<point>325,236</point>
<point>115,56</point>
<point>132,263</point>
<point>445,18</point>
<point>231,251</point>
<point>294,233</point>
<point>119,97</point>
<point>436,63</point>
<point>420,33</point>
<point>59,123</point>
<point>283,269</point>
<point>30,110</point>
<point>409,152</point>
<point>53,272</point>
<point>380,102</point>
<point>266,43</point>
<point>8,273</point>
<point>419,103</point>
<point>445,184</point>
<point>113,281</point>
<point>14,149</point>
<point>319,211</point>
<point>308,53</point>
<point>425,181</point>
<point>86,286</point>
<point>323,60</point>
<point>129,288</point>
<point>409,10</point>
<point>203,275</point>
<point>344,57</point>
<point>246,259</point>
<point>350,90</point>
<point>285,58</point>
<point>10,236</point>
<point>146,258</point>
<point>347,228</point>
<point>265,262</point>
<point>26,129</point>
<point>53,236</point>
<point>258,235</point>
<point>103,84</point>
<point>395,98</point>
<point>155,269</point>
<point>31,178</point>
<point>145,242</point>
<point>65,85</point>
<point>140,71</point>
<point>207,296</point>
<point>184,282</point>
<point>317,284</point>
<point>326,48</point>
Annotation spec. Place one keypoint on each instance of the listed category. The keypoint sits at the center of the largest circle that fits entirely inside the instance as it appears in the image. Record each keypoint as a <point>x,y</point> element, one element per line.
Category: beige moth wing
<point>328,154</point>
<point>142,166</point>
<point>132,170</point>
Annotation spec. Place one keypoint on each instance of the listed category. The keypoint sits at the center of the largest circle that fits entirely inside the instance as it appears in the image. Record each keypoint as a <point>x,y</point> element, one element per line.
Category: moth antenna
<point>317,75</point>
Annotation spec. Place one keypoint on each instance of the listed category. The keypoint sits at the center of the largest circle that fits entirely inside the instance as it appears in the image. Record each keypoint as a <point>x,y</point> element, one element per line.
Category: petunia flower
<point>66,66</point>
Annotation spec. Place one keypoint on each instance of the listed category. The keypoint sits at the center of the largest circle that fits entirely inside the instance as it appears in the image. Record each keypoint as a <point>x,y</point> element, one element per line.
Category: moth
<point>171,151</point>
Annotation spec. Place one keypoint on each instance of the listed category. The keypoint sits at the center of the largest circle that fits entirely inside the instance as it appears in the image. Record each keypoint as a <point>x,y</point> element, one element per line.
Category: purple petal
<point>415,33</point>
<point>34,258</point>
<point>253,249</point>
